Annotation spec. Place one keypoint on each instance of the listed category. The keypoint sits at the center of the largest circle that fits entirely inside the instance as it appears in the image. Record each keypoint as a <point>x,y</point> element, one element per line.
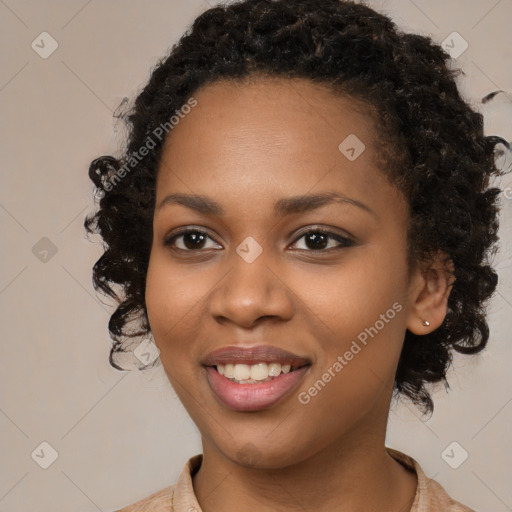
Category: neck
<point>354,474</point>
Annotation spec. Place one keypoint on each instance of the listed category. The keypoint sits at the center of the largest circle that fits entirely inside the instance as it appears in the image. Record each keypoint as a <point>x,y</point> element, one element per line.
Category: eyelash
<point>344,241</point>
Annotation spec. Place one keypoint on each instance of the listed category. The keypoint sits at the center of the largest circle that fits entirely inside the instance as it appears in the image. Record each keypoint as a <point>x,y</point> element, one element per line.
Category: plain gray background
<point>119,436</point>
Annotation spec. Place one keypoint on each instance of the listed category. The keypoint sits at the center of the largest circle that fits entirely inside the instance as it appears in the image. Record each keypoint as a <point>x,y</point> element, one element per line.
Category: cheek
<point>173,299</point>
<point>346,298</point>
<point>353,379</point>
<point>172,292</point>
<point>359,310</point>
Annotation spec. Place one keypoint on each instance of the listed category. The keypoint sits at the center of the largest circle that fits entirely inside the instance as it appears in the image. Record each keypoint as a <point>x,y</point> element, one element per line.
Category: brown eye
<point>318,240</point>
<point>189,240</point>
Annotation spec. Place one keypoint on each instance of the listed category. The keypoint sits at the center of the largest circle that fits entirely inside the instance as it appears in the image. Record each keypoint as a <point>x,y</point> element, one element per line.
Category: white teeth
<point>242,371</point>
<point>252,373</point>
<point>274,369</point>
<point>259,371</point>
<point>229,370</point>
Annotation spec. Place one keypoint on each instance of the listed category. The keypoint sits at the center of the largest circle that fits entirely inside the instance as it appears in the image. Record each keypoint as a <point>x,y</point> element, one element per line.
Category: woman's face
<point>280,267</point>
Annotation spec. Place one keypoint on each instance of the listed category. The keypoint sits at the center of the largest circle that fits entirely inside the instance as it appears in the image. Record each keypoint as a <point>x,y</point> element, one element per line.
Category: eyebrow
<point>285,206</point>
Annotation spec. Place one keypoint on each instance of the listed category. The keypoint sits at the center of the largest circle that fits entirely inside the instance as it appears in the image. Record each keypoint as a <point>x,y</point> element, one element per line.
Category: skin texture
<point>246,146</point>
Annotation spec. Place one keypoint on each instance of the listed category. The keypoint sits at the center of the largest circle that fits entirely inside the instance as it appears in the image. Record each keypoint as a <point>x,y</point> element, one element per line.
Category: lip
<point>254,397</point>
<point>253,355</point>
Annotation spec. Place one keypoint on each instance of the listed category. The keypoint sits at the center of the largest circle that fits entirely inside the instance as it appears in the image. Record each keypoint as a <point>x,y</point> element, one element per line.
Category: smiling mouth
<point>255,373</point>
<point>249,379</point>
<point>245,394</point>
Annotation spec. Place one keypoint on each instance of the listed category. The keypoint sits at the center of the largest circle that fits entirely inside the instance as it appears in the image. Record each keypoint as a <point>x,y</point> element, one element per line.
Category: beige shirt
<point>430,496</point>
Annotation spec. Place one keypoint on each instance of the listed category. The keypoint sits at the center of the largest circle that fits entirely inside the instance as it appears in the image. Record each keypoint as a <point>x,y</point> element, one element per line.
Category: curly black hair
<point>432,145</point>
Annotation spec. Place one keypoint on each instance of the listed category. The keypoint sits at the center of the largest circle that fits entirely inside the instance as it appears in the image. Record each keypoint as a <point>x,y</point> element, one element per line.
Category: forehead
<point>249,146</point>
<point>272,123</point>
<point>267,105</point>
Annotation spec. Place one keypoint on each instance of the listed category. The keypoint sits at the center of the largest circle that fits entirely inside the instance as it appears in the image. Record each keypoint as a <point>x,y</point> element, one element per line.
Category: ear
<point>430,289</point>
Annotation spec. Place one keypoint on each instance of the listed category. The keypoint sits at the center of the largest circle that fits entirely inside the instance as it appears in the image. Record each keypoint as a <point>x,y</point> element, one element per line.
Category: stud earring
<point>426,323</point>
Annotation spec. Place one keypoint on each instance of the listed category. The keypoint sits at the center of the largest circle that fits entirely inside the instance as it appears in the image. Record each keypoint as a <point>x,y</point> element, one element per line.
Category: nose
<point>250,292</point>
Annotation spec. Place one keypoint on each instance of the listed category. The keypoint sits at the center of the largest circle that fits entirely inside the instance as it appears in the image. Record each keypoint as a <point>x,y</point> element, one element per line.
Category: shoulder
<point>438,499</point>
<point>430,495</point>
<point>181,493</point>
<point>160,501</point>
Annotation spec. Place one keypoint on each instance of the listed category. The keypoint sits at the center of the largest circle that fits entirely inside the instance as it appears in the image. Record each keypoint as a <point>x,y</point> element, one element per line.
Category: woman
<point>301,220</point>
